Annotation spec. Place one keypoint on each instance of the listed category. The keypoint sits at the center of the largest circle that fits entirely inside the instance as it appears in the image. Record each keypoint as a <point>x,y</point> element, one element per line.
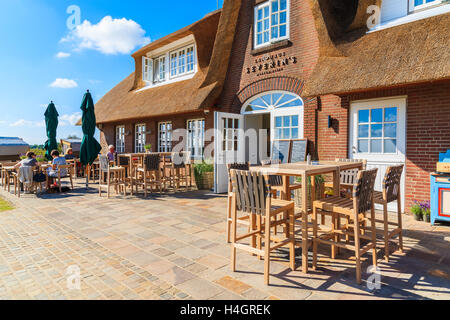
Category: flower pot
<point>205,181</point>
<point>418,216</point>
<point>426,218</point>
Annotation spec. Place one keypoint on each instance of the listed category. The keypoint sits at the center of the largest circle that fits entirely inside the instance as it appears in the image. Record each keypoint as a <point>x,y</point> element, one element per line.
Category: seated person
<point>53,171</point>
<point>112,153</point>
<point>69,155</point>
<point>29,161</point>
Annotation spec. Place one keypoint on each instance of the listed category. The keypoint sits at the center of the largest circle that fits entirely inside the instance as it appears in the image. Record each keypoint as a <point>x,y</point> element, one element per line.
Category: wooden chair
<point>348,177</point>
<point>60,176</point>
<point>391,193</point>
<point>251,195</point>
<point>110,176</point>
<point>241,220</point>
<point>8,175</point>
<point>355,209</point>
<point>149,174</point>
<point>178,170</point>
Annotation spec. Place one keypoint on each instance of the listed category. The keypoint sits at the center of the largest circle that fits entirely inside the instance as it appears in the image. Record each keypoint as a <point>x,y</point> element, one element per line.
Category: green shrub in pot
<point>416,210</point>
<point>204,175</point>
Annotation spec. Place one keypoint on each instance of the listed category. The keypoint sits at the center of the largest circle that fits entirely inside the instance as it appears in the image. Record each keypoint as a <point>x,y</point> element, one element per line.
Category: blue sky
<point>43,60</point>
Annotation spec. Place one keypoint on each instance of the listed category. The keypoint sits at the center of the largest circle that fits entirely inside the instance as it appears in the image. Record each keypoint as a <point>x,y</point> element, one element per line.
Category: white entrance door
<point>378,134</point>
<point>229,146</point>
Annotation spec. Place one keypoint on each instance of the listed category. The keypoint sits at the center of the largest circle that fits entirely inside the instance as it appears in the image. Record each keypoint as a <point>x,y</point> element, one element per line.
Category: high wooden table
<point>302,169</point>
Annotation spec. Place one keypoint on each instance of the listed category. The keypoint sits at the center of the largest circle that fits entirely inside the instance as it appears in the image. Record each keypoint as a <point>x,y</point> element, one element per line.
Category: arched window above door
<point>269,101</point>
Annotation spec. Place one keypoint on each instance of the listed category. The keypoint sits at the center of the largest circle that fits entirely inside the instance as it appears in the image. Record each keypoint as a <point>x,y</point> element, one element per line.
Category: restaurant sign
<point>271,64</point>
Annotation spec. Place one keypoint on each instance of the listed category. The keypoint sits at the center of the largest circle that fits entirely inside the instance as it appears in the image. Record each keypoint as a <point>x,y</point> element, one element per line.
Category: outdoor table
<point>130,169</point>
<point>302,169</point>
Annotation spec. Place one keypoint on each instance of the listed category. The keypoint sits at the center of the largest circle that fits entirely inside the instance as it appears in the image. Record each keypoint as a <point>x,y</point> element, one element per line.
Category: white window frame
<point>255,24</point>
<point>160,75</point>
<point>147,69</point>
<point>165,144</point>
<point>175,56</point>
<point>400,104</point>
<point>413,7</point>
<point>139,137</point>
<point>195,137</point>
<point>120,139</point>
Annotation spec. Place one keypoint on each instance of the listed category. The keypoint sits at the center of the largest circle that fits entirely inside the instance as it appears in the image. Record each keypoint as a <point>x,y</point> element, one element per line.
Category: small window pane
<point>294,133</point>
<point>376,130</point>
<point>278,122</point>
<point>376,146</point>
<point>283,4</point>
<point>377,115</point>
<point>274,32</point>
<point>363,146</point>
<point>283,30</point>
<point>286,133</point>
<point>295,121</point>
<point>363,131</point>
<point>363,116</point>
<point>259,28</point>
<point>274,19</point>
<point>283,17</point>
<point>390,130</point>
<point>278,134</point>
<point>274,6</point>
<point>390,146</point>
<point>266,36</point>
<point>390,115</point>
<point>260,14</point>
<point>286,121</point>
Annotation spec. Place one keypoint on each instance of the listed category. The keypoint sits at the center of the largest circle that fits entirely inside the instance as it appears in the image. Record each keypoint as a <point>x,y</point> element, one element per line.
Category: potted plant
<point>204,175</point>
<point>426,211</point>
<point>416,210</point>
<point>148,148</point>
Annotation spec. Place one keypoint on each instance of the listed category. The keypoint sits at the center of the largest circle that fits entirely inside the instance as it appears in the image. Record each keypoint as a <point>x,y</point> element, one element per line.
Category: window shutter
<point>147,69</point>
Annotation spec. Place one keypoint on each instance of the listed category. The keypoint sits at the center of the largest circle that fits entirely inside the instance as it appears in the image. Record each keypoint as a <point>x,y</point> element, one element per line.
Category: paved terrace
<point>172,247</point>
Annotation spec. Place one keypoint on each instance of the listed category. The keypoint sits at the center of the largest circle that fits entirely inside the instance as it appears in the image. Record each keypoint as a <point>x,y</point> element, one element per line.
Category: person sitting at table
<point>69,154</point>
<point>53,171</point>
<point>112,153</point>
<point>29,161</point>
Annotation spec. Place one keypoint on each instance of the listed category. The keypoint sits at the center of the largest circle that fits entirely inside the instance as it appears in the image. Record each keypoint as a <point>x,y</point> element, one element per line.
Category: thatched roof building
<point>214,37</point>
<point>353,60</point>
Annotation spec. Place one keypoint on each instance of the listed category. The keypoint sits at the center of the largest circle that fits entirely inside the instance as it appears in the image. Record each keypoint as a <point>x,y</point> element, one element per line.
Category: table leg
<point>286,195</point>
<point>304,224</point>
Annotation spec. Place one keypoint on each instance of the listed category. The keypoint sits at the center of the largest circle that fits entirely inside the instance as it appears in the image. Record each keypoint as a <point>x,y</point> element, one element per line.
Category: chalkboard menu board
<point>298,151</point>
<point>280,150</point>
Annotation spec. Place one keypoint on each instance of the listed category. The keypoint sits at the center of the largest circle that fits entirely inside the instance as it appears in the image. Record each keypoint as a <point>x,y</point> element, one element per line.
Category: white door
<point>378,134</point>
<point>229,146</point>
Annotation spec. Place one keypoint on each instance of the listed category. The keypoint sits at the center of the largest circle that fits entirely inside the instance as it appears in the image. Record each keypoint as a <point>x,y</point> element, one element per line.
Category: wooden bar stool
<point>252,195</point>
<point>241,220</point>
<point>149,174</point>
<point>391,193</point>
<point>354,209</point>
<point>110,176</point>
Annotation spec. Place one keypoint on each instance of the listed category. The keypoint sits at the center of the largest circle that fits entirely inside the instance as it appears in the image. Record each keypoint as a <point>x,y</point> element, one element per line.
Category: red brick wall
<point>108,135</point>
<point>427,126</point>
<point>304,46</point>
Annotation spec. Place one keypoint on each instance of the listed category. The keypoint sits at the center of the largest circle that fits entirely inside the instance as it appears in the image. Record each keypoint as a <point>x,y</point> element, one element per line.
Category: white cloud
<point>109,36</point>
<point>28,123</point>
<point>64,83</point>
<point>62,55</point>
<point>69,119</point>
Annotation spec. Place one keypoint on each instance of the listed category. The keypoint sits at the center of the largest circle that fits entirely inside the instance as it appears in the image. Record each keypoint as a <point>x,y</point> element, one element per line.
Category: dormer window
<point>271,22</point>
<point>171,66</point>
<point>422,4</point>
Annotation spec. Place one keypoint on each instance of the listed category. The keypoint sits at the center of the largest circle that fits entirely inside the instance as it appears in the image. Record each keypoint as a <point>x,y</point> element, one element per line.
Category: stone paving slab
<point>173,247</point>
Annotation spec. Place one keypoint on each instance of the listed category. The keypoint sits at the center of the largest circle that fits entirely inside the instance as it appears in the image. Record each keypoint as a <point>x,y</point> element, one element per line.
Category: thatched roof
<point>352,60</point>
<point>214,37</point>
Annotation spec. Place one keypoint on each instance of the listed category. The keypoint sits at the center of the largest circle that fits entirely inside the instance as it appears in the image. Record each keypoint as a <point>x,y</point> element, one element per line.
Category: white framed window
<point>422,4</point>
<point>182,61</point>
<point>165,136</point>
<point>120,139</point>
<point>287,127</point>
<point>271,22</point>
<point>196,137</point>
<point>159,72</point>
<point>139,138</point>
<point>230,138</point>
<point>147,69</point>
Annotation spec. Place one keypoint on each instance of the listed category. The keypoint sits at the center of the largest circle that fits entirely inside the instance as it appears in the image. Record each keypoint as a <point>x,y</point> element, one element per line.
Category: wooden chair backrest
<point>237,166</point>
<point>152,162</point>
<point>363,190</point>
<point>391,182</point>
<point>274,180</point>
<point>349,177</point>
<point>104,163</point>
<point>251,191</point>
<point>123,161</point>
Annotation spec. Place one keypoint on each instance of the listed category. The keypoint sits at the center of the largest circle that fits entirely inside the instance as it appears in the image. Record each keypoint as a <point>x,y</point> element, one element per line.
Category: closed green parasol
<point>90,148</point>
<point>51,123</point>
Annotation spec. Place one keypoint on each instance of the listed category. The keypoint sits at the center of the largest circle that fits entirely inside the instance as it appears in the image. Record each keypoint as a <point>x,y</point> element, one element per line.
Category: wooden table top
<point>302,168</point>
